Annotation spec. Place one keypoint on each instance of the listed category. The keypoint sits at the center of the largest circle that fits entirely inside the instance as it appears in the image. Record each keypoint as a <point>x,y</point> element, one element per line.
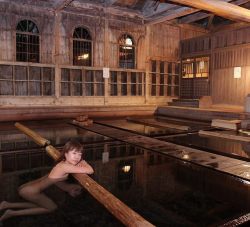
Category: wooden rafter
<point>220,8</point>
<point>161,10</point>
<point>200,15</point>
<point>62,4</point>
<point>110,2</point>
<point>170,15</point>
<point>210,21</point>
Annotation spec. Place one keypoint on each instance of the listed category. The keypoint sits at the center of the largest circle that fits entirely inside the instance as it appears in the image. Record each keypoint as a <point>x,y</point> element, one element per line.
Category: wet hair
<point>69,146</point>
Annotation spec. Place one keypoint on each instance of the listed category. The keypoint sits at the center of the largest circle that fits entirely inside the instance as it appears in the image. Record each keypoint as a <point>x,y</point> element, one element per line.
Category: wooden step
<point>185,103</point>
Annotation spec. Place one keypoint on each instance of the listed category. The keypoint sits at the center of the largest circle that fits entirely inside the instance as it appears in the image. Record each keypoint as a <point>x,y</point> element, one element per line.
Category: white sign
<point>237,72</point>
<point>106,73</point>
<point>105,157</point>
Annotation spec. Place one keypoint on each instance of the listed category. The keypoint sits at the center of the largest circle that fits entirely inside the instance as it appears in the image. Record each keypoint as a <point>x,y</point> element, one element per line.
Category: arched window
<point>82,47</point>
<point>27,41</point>
<point>126,52</point>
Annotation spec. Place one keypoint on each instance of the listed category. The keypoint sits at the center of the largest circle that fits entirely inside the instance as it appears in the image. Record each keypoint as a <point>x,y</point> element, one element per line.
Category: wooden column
<point>106,58</point>
<point>147,64</point>
<point>57,25</point>
<point>120,210</point>
<point>220,8</point>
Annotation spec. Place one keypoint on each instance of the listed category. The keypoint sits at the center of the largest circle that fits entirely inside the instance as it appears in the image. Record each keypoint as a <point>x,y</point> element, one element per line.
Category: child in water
<point>36,201</point>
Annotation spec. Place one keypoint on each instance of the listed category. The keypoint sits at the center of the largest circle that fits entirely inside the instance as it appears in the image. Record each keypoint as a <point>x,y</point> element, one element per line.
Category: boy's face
<point>73,156</point>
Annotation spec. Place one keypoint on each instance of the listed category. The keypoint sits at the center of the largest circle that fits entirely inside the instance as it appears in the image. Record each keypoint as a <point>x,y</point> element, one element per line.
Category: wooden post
<point>120,210</point>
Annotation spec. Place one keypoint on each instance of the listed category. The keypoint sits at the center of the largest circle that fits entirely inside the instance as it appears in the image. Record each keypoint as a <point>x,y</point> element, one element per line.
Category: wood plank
<point>154,123</point>
<point>227,124</point>
<point>224,135</point>
<point>194,156</point>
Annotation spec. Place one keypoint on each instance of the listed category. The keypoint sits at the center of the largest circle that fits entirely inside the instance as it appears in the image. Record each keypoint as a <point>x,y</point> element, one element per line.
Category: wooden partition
<point>229,52</point>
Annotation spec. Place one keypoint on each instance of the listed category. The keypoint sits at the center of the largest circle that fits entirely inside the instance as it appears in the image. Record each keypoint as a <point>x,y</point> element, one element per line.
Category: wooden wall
<point>188,31</point>
<point>228,49</point>
<point>164,42</point>
<point>152,42</point>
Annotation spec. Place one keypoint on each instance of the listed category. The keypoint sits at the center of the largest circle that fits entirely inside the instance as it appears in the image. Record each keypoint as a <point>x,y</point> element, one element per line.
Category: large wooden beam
<point>115,206</point>
<point>220,8</point>
<point>200,15</point>
<point>176,12</point>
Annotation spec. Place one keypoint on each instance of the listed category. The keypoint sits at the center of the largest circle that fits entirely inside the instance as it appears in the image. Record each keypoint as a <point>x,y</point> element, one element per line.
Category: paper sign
<point>105,157</point>
<point>106,73</point>
<point>237,72</point>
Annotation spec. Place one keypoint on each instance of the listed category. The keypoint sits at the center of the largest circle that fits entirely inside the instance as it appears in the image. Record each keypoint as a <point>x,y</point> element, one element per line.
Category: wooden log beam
<point>37,138</point>
<point>200,15</point>
<point>220,8</point>
<point>120,210</point>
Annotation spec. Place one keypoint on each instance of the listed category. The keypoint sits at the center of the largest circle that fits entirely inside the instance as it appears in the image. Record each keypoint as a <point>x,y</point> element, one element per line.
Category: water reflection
<point>163,190</point>
<point>139,128</point>
<point>57,134</point>
<point>125,174</point>
<point>221,146</point>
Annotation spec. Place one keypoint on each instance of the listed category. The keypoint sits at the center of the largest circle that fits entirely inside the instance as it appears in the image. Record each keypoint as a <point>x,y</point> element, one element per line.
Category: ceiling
<point>203,13</point>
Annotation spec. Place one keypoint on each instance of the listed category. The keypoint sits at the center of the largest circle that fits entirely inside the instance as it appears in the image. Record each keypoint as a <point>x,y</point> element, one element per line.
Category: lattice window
<point>164,78</point>
<point>27,42</point>
<point>124,83</point>
<point>78,82</point>
<point>82,47</point>
<point>126,52</point>
<point>195,68</point>
<point>20,80</point>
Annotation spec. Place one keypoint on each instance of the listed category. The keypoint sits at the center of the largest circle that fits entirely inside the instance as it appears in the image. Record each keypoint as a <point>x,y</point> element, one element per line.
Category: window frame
<point>28,36</point>
<point>193,60</point>
<point>84,41</point>
<point>124,36</point>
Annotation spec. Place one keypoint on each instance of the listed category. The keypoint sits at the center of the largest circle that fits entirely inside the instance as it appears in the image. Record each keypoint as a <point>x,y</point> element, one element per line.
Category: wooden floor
<point>234,167</point>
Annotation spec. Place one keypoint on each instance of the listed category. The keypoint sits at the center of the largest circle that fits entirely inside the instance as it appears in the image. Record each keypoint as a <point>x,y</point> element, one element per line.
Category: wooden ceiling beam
<point>62,4</point>
<point>220,8</point>
<point>110,2</point>
<point>161,10</point>
<point>200,15</point>
<point>170,15</point>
